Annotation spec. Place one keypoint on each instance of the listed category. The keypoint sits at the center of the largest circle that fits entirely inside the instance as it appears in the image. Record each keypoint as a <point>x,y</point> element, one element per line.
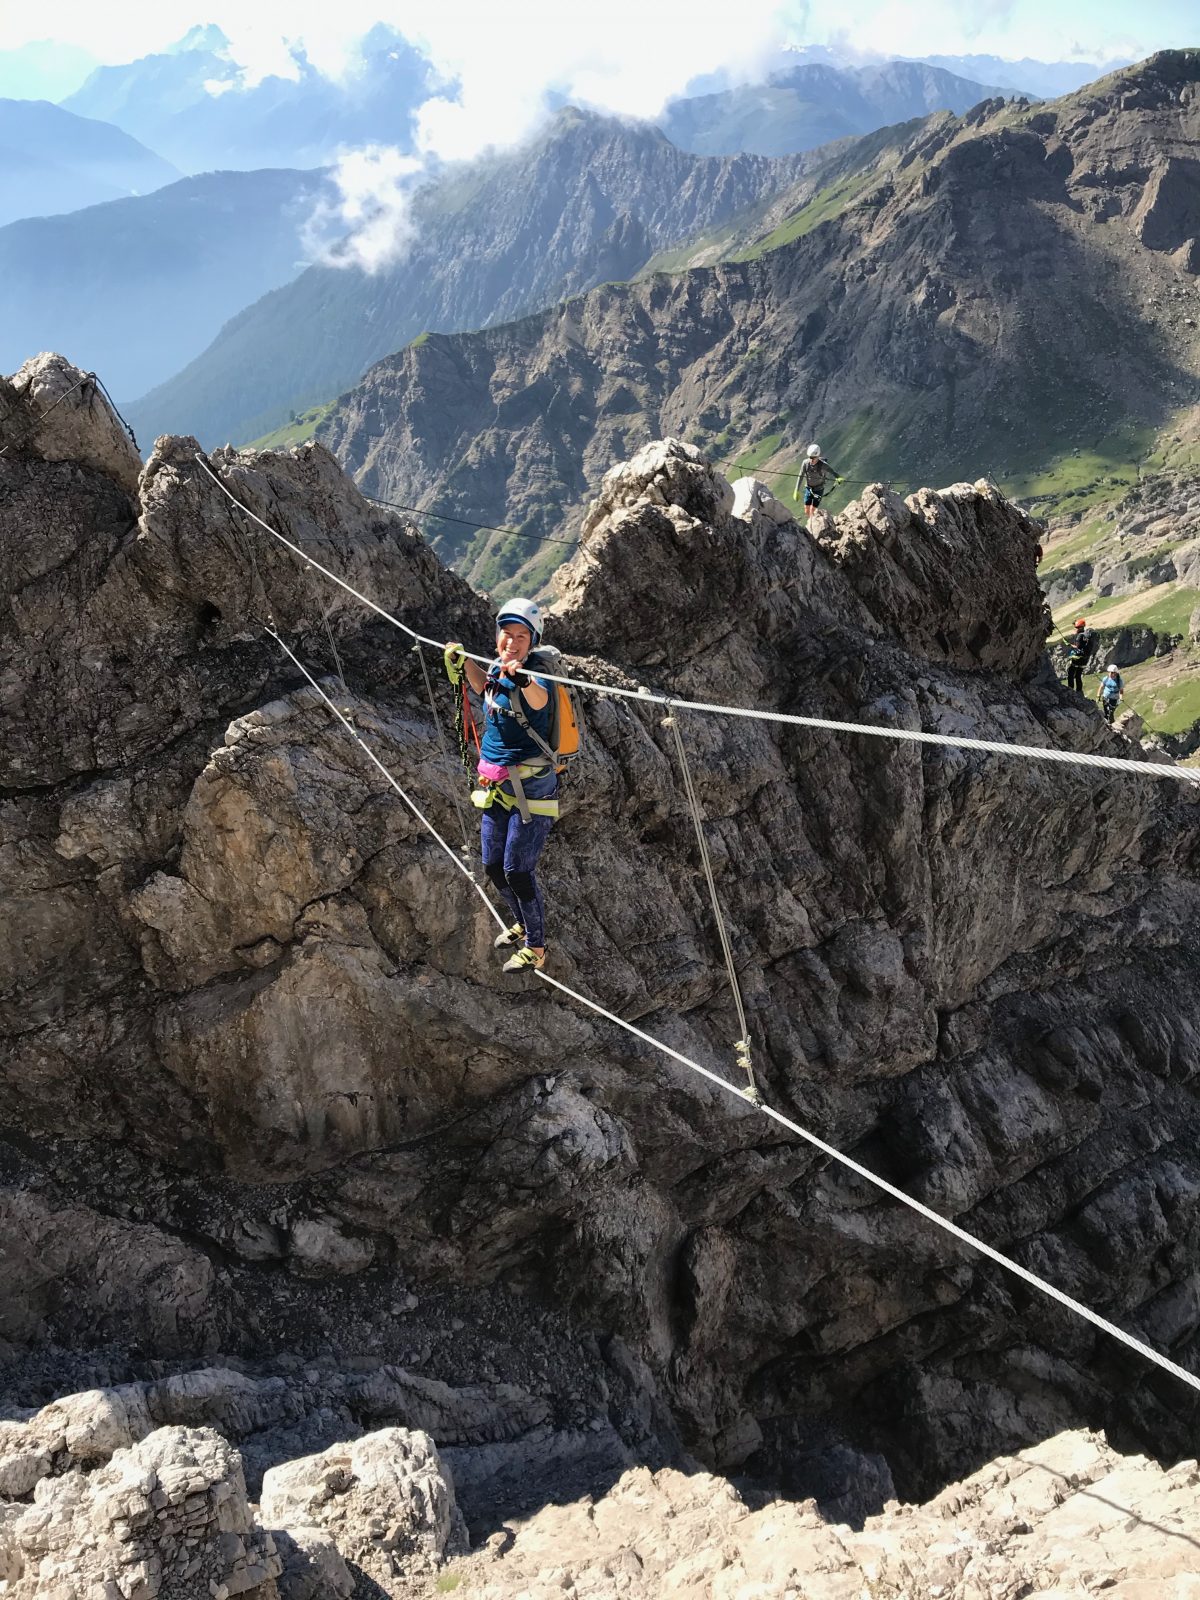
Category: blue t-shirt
<point>1112,686</point>
<point>504,739</point>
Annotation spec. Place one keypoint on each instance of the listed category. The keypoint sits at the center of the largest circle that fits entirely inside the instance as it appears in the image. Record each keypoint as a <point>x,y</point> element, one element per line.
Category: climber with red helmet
<point>518,787</point>
<point>1079,653</point>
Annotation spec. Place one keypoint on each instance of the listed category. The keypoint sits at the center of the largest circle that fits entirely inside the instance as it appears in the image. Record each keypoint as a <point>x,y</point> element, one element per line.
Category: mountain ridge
<point>56,161</point>
<point>998,291</point>
<point>137,287</point>
<point>594,198</point>
<point>810,105</point>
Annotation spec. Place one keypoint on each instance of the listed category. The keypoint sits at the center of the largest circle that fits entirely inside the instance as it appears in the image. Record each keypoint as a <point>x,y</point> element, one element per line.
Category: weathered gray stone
<point>93,1534</point>
<point>385,1500</point>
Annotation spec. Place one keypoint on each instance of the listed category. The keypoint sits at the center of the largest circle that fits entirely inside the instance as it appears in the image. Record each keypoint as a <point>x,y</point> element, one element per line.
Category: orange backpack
<point>565,733</point>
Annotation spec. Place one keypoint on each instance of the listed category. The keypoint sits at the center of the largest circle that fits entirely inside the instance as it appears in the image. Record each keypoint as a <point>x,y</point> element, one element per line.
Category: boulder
<point>313,1568</point>
<point>167,1516</point>
<point>752,499</point>
<point>385,1500</point>
<point>51,411</point>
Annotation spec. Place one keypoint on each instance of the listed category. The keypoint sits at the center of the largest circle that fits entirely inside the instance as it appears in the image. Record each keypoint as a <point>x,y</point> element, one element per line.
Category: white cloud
<point>628,57</point>
<point>509,63</point>
<point>370,224</point>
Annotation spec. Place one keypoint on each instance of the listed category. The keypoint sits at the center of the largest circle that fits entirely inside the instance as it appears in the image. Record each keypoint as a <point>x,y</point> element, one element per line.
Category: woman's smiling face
<point>514,641</point>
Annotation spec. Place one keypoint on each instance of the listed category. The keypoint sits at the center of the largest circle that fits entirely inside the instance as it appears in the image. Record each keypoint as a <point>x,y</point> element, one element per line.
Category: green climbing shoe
<point>511,935</point>
<point>524,960</point>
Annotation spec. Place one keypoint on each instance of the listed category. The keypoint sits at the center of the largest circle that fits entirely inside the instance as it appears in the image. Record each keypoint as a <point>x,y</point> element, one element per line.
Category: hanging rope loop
<point>419,652</point>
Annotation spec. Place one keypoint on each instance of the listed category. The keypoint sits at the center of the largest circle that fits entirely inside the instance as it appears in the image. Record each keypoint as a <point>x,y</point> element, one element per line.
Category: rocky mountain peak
<point>984,295</point>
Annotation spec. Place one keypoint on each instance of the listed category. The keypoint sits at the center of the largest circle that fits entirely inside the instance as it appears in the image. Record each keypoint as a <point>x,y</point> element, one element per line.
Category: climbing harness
<point>491,790</point>
<point>835,1155</point>
<point>741,1049</point>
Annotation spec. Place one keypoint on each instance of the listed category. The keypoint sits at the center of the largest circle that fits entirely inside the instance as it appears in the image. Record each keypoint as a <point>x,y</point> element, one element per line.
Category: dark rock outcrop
<point>233,956</point>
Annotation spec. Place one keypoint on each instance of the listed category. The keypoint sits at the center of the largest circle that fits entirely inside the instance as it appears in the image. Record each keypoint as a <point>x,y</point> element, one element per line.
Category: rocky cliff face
<point>593,199</point>
<point>260,1066</point>
<point>995,292</point>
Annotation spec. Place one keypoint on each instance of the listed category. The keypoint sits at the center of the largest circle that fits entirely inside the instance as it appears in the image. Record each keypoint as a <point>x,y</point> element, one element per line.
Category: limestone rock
<point>1069,1517</point>
<point>752,499</point>
<point>319,1248</point>
<point>166,1517</point>
<point>138,1271</point>
<point>950,573</point>
<point>313,1568</point>
<point>47,412</point>
<point>385,1500</point>
<point>242,990</point>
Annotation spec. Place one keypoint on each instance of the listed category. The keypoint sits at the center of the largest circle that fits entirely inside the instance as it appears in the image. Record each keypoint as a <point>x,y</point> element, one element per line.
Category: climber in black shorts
<point>815,475</point>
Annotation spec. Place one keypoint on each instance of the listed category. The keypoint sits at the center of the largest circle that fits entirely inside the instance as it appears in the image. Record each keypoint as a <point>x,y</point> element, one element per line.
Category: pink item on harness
<point>492,772</point>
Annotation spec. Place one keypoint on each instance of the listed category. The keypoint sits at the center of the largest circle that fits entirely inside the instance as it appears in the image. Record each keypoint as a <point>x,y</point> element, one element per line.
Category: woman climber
<point>518,784</point>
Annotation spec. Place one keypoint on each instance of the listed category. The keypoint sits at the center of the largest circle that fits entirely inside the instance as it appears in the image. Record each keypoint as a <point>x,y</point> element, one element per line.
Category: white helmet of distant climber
<point>814,449</point>
<point>527,612</point>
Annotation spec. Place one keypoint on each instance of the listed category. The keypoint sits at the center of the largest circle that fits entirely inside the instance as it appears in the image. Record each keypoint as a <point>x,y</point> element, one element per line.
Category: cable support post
<point>742,1049</point>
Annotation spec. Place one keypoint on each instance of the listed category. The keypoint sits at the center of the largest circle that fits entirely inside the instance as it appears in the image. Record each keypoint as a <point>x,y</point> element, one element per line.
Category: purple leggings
<point>510,853</point>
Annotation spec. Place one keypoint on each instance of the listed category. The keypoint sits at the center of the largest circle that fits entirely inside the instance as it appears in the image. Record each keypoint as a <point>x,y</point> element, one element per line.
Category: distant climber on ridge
<point>1079,653</point>
<point>518,784</point>
<point>814,475</point>
<point>1112,692</point>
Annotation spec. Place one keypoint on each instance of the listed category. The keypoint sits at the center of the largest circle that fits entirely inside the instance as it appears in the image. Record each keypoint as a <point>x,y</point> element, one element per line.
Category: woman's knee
<point>522,885</point>
<point>496,873</point>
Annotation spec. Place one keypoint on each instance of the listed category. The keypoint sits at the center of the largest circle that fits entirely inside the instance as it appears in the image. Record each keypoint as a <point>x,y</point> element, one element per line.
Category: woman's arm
<point>532,693</point>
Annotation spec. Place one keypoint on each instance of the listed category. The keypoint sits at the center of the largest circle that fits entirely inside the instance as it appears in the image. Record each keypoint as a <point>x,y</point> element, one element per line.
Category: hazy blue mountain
<point>44,69</point>
<point>813,104</point>
<point>52,160</point>
<point>190,102</point>
<point>136,288</point>
<point>1044,79</point>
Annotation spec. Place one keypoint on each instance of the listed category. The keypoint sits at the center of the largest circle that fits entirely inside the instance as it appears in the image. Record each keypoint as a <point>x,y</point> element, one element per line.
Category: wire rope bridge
<point>673,705</point>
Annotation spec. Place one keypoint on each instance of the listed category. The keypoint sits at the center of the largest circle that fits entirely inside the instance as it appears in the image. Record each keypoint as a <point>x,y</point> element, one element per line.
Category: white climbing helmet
<point>526,612</point>
<point>814,449</point>
<point>1111,667</point>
